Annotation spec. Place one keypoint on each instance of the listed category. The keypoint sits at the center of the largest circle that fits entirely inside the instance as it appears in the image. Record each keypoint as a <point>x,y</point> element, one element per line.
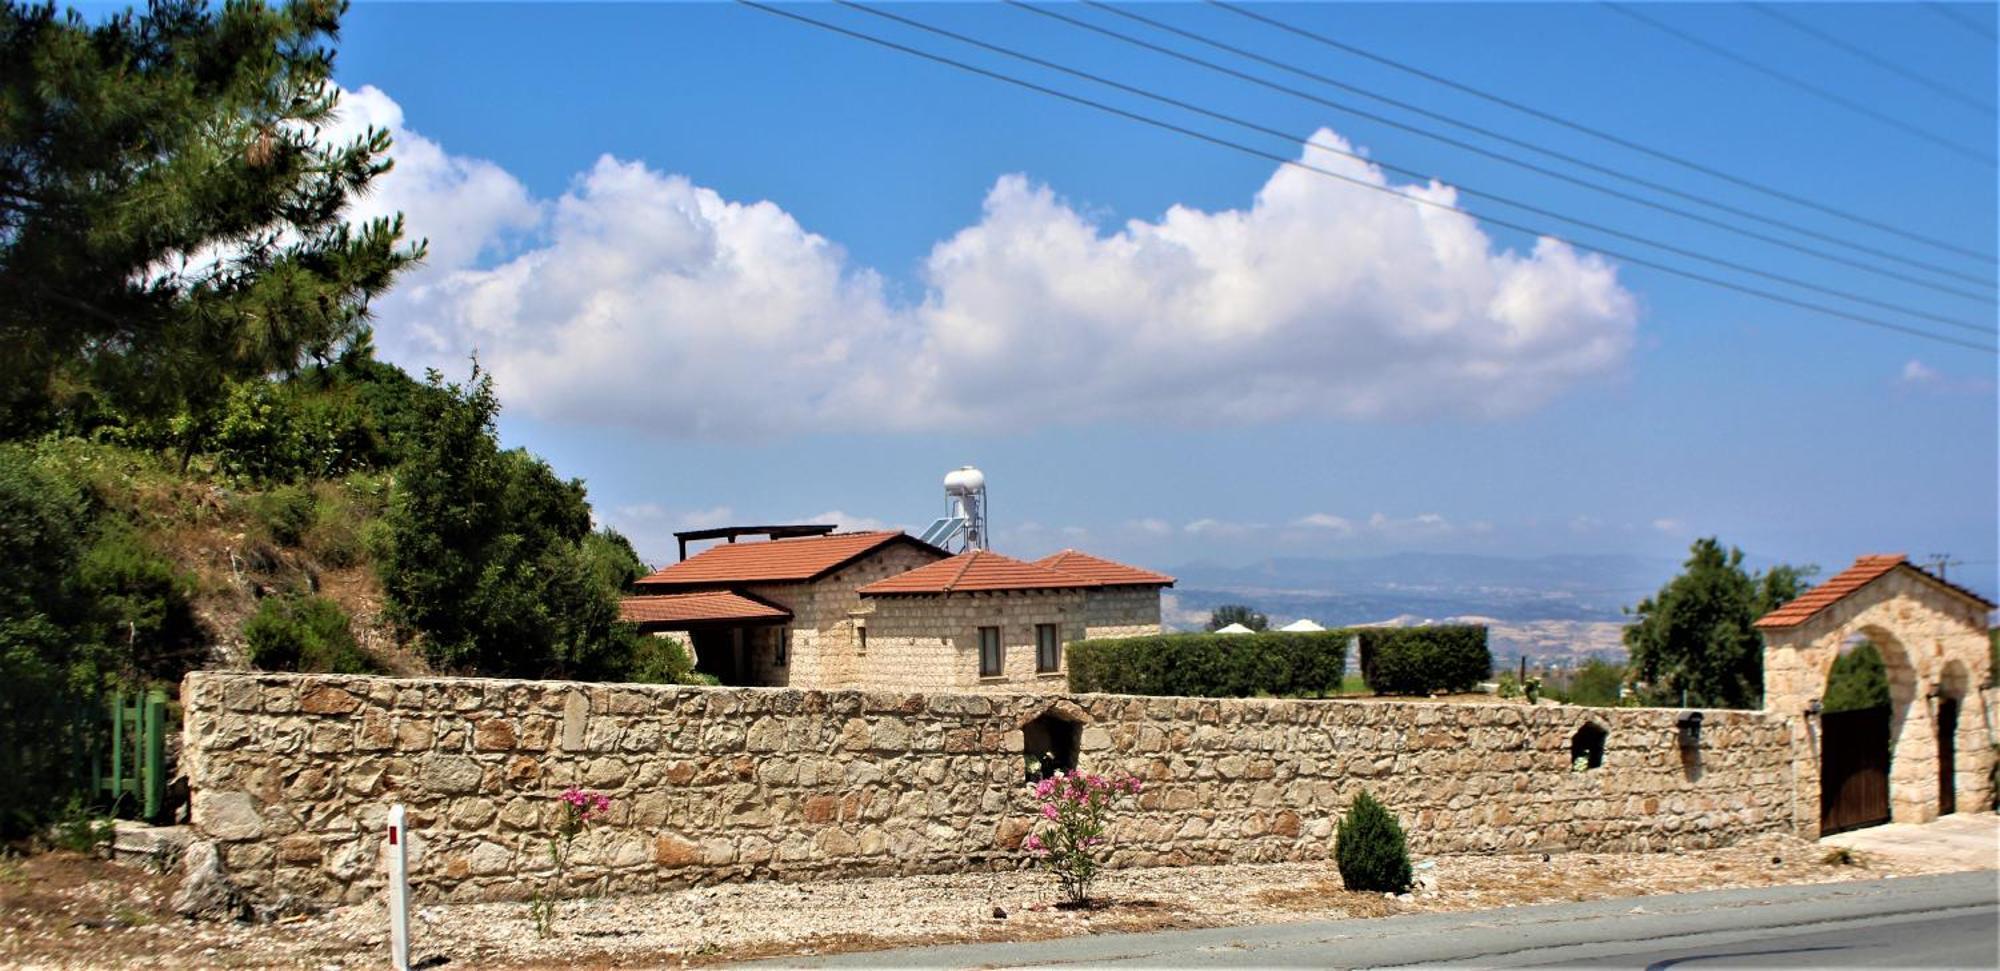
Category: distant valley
<point>1555,609</point>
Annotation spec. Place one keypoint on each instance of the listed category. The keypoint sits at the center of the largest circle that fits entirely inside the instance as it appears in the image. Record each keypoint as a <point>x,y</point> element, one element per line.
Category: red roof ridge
<point>1865,569</point>
<point>977,571</point>
<point>1108,572</point>
<point>795,559</point>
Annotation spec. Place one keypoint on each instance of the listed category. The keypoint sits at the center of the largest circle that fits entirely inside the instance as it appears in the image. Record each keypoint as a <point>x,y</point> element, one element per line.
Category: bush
<point>292,633</point>
<point>657,660</point>
<point>1212,665</point>
<point>1422,660</point>
<point>286,513</point>
<point>1370,848</point>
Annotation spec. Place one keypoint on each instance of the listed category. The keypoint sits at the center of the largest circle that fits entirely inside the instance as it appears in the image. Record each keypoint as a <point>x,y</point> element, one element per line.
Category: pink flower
<point>1049,812</point>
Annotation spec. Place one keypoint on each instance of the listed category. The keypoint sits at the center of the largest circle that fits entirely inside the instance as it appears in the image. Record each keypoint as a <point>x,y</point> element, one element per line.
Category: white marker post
<point>399,890</point>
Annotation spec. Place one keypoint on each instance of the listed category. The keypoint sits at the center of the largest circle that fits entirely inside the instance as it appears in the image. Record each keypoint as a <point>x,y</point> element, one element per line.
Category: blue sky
<point>729,267</point>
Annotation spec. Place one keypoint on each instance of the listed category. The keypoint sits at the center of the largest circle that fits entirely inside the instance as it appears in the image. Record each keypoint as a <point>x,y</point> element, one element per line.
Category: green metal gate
<point>135,782</point>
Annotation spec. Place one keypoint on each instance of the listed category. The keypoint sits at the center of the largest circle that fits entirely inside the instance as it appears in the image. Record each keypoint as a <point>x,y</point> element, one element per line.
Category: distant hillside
<point>1548,607</point>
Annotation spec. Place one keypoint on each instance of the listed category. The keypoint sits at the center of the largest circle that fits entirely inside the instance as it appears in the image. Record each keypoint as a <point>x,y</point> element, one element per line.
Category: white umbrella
<point>1234,629</point>
<point>1301,626</point>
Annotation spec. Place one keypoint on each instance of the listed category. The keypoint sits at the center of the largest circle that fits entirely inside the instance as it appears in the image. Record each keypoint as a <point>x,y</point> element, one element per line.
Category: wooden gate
<point>1853,769</point>
<point>1947,733</point>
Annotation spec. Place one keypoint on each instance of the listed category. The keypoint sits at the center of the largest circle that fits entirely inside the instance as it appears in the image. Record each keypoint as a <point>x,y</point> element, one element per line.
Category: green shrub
<point>286,513</point>
<point>1422,660</point>
<point>1272,663</point>
<point>658,660</point>
<point>1370,848</point>
<point>293,633</point>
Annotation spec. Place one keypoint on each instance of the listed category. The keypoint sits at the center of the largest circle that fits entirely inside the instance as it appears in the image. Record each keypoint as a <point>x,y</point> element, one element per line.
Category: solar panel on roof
<point>941,531</point>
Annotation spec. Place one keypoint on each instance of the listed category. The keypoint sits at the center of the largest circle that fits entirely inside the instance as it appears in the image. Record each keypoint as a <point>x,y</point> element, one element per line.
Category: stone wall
<point>291,776</point>
<point>1121,612</point>
<point>1933,642</point>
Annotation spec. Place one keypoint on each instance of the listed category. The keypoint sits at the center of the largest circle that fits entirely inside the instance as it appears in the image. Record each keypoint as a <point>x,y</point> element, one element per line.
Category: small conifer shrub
<point>1370,848</point>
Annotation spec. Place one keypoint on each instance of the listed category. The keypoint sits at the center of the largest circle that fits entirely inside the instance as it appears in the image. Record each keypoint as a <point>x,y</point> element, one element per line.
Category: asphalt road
<point>1949,921</point>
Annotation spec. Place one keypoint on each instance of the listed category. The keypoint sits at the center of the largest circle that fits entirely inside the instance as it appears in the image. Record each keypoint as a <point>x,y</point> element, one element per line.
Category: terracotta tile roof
<point>772,561</point>
<point>1108,572</point>
<point>1865,570</point>
<point>716,605</point>
<point>976,571</point>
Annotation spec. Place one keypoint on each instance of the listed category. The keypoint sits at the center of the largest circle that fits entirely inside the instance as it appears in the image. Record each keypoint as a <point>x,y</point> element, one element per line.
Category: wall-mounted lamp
<point>1690,726</point>
<point>1814,708</point>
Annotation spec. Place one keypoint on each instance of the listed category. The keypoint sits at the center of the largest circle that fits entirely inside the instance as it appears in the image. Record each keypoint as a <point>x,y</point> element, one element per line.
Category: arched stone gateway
<point>1933,641</point>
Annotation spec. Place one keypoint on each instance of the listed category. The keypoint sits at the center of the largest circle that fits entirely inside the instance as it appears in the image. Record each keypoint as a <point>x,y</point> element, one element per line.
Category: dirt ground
<point>62,910</point>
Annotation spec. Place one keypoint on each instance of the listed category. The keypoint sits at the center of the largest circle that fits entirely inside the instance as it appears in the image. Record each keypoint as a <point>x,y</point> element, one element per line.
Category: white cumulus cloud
<point>639,298</point>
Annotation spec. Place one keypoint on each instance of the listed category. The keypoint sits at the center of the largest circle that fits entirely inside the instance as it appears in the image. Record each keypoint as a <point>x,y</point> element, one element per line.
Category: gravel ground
<point>65,911</point>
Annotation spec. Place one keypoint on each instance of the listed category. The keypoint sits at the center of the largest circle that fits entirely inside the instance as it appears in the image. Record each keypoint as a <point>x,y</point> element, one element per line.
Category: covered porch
<point>740,640</point>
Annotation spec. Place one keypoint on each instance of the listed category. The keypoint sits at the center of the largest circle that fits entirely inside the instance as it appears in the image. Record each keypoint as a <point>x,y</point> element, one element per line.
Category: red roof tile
<point>679,608</point>
<point>772,561</point>
<point>1865,570</point>
<point>1107,572</point>
<point>976,571</point>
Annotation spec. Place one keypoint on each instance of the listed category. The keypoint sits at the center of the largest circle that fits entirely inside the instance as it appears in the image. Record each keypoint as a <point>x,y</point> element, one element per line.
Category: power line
<point>1603,135</point>
<point>1949,12</point>
<point>1510,159</point>
<point>1871,57</point>
<point>1411,173</point>
<point>1329,173</point>
<point>1801,84</point>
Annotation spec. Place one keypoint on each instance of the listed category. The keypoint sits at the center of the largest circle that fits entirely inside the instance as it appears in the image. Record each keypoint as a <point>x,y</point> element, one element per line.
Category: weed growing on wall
<point>577,809</point>
<point>1070,839</point>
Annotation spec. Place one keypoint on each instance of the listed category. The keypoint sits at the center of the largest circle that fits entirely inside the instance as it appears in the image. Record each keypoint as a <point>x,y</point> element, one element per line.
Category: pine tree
<point>1370,849</point>
<point>170,215</point>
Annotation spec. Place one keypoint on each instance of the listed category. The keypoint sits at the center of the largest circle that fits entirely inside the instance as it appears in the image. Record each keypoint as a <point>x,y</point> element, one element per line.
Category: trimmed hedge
<point>1275,663</point>
<point>1423,660</point>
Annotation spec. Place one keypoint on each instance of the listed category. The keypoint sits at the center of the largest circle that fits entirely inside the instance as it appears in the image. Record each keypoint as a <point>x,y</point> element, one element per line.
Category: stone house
<point>883,610</point>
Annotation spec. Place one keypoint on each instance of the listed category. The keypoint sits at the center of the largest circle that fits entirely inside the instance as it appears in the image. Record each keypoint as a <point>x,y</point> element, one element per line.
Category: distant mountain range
<point>1551,608</point>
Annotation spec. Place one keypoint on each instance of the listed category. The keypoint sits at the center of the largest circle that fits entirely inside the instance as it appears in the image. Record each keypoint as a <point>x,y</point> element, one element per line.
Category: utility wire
<point>1871,57</point>
<point>1387,190</point>
<point>1620,141</point>
<point>1950,12</point>
<point>1801,84</point>
<point>1411,173</point>
<point>1511,159</point>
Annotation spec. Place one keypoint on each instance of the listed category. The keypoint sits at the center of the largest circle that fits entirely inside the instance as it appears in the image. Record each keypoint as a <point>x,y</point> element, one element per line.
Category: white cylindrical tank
<point>964,481</point>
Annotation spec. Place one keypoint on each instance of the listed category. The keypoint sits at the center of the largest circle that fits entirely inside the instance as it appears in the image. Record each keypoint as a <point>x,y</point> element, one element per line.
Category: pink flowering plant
<point>1068,840</point>
<point>576,810</point>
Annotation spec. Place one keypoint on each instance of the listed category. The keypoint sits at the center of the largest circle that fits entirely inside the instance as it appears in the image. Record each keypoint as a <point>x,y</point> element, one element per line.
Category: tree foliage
<point>1228,614</point>
<point>1596,683</point>
<point>1859,679</point>
<point>171,215</point>
<point>1694,638</point>
<point>493,560</point>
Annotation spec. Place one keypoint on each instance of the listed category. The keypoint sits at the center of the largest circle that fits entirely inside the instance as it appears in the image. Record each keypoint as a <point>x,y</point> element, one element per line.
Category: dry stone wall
<point>292,775</point>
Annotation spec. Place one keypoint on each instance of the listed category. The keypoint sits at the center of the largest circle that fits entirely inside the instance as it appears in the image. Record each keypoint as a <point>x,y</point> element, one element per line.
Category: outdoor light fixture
<point>1690,726</point>
<point>1813,708</point>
